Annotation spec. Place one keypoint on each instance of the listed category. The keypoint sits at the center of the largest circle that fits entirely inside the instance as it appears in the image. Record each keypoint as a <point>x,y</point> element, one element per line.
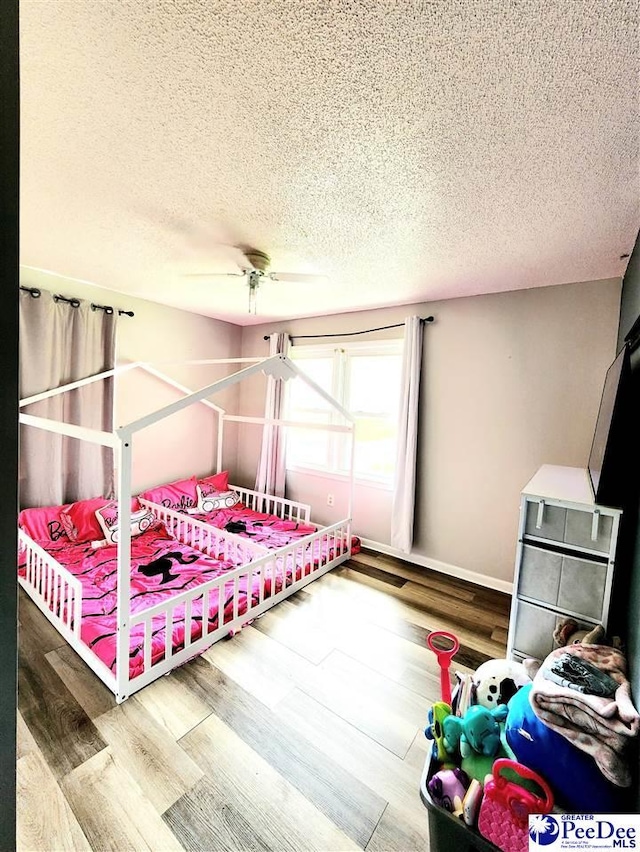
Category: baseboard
<point>442,567</point>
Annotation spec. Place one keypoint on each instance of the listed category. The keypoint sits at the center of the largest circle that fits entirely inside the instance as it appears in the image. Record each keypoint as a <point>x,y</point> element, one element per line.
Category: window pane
<point>374,384</point>
<point>375,447</point>
<point>320,370</point>
<point>370,389</point>
<point>308,447</point>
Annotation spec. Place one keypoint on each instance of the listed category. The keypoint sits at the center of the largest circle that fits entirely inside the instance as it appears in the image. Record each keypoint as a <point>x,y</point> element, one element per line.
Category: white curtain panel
<point>61,344</point>
<point>404,490</point>
<point>272,469</point>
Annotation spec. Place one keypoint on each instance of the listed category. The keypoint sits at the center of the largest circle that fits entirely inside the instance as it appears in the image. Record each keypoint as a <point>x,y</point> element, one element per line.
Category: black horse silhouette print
<point>163,565</point>
<point>236,527</point>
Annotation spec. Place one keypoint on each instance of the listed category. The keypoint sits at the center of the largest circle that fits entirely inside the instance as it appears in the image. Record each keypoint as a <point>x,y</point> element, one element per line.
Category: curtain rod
<point>75,303</point>
<point>349,333</point>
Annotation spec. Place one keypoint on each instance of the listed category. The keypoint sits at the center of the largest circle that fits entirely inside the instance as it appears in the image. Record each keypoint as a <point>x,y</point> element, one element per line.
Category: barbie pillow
<point>179,495</point>
<point>43,524</point>
<point>211,501</point>
<point>79,519</point>
<point>216,482</point>
<point>107,517</point>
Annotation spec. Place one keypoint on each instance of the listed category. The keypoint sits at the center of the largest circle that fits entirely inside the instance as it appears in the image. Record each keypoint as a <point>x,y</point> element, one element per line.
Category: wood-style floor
<point>303,732</point>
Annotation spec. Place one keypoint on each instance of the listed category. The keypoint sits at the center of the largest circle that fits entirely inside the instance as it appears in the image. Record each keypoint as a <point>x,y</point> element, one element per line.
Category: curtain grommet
<point>106,308</point>
<point>75,303</point>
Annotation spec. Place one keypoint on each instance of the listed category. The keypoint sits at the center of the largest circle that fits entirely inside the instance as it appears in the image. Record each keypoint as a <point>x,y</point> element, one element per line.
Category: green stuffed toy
<point>477,731</point>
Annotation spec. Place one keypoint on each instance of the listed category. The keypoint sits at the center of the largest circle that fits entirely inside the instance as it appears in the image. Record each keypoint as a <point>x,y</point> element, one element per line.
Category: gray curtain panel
<point>61,344</point>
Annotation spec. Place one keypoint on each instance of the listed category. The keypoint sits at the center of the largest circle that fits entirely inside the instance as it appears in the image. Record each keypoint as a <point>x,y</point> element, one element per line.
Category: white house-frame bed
<point>260,579</point>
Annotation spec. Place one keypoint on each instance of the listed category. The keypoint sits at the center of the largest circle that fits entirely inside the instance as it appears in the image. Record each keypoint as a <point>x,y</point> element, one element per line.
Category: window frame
<point>341,376</point>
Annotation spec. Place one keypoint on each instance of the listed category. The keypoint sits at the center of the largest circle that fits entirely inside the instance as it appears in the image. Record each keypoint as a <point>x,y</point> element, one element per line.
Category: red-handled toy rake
<point>444,655</point>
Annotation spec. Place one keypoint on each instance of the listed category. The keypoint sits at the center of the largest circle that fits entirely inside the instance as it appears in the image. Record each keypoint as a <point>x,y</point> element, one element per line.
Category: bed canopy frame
<point>44,585</point>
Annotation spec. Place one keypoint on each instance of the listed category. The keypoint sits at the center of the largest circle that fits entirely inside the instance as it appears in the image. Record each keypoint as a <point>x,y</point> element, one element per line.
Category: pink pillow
<point>43,524</point>
<point>216,482</point>
<point>180,495</point>
<point>79,519</point>
<point>107,517</point>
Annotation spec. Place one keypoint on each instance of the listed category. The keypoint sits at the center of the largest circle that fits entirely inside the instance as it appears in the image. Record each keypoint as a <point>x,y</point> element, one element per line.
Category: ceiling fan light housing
<point>258,259</point>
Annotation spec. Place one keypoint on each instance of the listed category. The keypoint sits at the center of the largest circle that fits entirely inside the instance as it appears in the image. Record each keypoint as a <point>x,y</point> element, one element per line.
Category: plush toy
<point>433,731</point>
<point>478,730</point>
<point>569,632</point>
<point>497,681</point>
<point>447,788</point>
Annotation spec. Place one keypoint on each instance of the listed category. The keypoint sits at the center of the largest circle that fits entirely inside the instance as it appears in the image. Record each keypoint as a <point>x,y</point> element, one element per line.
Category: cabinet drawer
<point>533,636</point>
<point>552,521</point>
<point>540,574</point>
<point>577,585</point>
<point>534,631</point>
<point>568,526</point>
<point>582,587</point>
<point>578,530</point>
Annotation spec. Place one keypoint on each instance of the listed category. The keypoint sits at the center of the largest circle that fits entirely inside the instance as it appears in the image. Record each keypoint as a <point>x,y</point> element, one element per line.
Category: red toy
<point>444,657</point>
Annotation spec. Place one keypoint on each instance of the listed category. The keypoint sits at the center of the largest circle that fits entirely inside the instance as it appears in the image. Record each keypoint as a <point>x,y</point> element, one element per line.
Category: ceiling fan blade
<point>301,277</point>
<point>213,275</point>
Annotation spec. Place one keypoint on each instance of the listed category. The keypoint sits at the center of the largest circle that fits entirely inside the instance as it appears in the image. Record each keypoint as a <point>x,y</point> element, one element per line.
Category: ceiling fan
<point>254,268</point>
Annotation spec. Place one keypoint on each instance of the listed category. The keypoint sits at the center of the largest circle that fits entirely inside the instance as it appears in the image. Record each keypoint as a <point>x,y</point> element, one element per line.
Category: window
<point>365,379</point>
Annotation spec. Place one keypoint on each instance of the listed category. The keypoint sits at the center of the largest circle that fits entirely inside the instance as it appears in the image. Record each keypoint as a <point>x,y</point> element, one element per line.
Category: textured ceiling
<point>408,151</point>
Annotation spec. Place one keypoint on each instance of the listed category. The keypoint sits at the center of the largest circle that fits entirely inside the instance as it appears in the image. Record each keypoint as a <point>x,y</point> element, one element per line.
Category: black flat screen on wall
<point>609,445</point>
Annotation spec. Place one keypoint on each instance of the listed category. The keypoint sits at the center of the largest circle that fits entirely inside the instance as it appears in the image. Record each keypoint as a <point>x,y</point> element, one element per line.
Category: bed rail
<point>286,510</point>
<point>207,539</point>
<point>58,594</point>
<point>233,599</point>
<point>308,558</point>
<point>51,587</point>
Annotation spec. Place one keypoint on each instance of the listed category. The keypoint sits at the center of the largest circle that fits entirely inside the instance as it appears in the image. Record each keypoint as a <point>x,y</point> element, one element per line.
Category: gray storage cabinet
<point>565,560</point>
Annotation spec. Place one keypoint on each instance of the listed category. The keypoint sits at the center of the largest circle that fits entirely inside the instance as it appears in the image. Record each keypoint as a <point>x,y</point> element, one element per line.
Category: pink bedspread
<point>267,530</point>
<point>161,567</point>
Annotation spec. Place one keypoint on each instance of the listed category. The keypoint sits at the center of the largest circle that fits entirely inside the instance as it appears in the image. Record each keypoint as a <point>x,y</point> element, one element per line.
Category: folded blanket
<point>600,724</point>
